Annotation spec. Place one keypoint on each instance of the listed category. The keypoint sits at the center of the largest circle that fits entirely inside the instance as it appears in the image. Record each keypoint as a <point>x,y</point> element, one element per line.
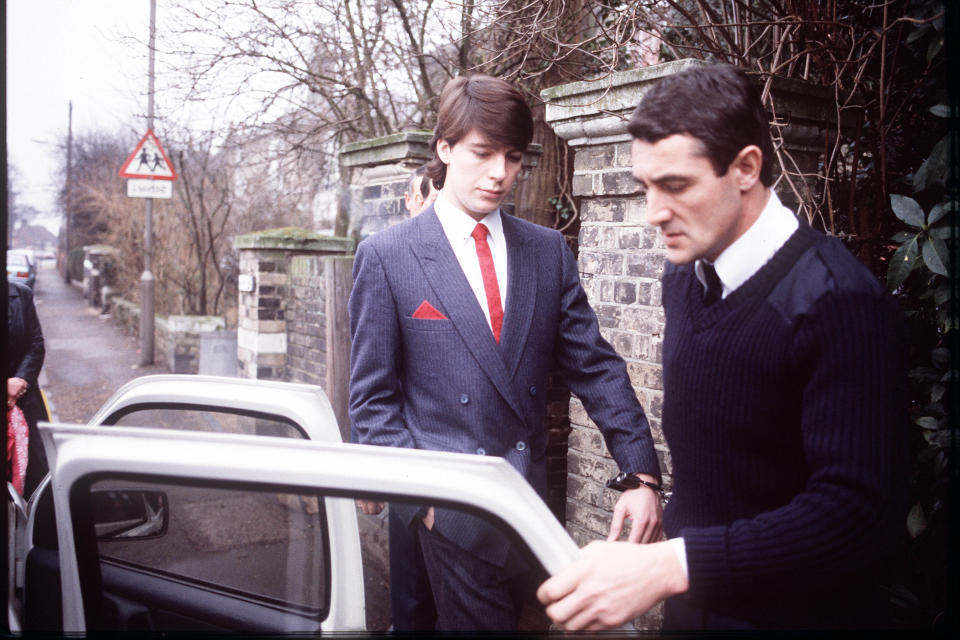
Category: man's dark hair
<point>719,105</point>
<point>490,105</point>
<point>418,174</point>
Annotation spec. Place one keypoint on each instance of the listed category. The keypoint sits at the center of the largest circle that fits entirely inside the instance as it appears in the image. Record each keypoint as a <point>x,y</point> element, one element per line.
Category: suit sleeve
<point>376,394</point>
<point>29,367</point>
<point>598,376</point>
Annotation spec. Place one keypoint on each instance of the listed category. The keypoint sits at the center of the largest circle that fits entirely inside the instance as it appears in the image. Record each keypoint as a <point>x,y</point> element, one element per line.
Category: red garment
<point>18,437</point>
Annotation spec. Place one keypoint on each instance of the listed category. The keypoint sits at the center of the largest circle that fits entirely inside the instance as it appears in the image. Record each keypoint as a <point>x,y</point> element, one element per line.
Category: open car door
<point>155,579</point>
<point>210,404</point>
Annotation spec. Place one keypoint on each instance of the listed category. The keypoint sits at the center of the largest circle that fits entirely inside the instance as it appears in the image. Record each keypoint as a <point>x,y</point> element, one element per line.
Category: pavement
<point>88,356</point>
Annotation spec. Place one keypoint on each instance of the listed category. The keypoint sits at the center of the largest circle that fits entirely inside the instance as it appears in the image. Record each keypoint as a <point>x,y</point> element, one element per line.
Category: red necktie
<point>490,284</point>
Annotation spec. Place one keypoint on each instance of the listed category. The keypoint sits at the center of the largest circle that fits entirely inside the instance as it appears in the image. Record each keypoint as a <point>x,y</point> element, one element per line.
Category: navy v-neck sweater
<point>784,413</point>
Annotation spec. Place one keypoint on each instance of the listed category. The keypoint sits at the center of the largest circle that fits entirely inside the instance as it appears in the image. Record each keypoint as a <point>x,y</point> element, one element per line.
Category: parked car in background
<point>20,268</point>
<point>234,512</point>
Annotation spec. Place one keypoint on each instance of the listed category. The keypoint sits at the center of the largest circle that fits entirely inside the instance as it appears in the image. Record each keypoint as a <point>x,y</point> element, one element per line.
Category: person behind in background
<point>25,352</point>
<point>420,192</point>
<point>783,378</point>
<point>457,318</point>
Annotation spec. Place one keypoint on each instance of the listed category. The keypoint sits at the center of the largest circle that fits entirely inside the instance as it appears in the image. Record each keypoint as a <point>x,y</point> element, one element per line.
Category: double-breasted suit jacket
<point>444,383</point>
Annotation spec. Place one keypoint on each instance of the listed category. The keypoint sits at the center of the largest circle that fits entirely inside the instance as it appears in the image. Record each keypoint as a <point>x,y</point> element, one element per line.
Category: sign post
<point>147,167</point>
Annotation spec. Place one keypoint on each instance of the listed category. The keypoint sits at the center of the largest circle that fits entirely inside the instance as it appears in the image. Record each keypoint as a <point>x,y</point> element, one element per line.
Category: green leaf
<point>936,256</point>
<point>942,293</point>
<point>940,110</point>
<point>927,422</point>
<point>901,236</point>
<point>936,392</point>
<point>917,33</point>
<point>934,168</point>
<point>940,357</point>
<point>936,214</point>
<point>901,263</point>
<point>916,522</point>
<point>908,210</point>
<point>935,46</point>
<point>942,232</point>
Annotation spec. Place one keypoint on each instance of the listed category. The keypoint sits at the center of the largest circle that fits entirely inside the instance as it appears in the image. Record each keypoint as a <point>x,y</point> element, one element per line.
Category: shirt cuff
<point>680,548</point>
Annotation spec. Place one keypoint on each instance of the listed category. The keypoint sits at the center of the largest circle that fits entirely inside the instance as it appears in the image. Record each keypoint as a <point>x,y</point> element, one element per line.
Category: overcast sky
<point>63,50</point>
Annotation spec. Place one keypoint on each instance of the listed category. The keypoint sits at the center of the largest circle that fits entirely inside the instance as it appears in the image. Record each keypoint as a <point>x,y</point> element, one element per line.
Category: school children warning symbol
<point>148,160</point>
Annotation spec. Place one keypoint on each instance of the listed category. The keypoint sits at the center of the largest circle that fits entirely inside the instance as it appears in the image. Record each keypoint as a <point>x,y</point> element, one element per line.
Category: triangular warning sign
<point>148,160</point>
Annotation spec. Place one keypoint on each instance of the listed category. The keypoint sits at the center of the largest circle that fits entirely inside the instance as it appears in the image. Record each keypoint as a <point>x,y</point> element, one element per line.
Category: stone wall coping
<point>387,149</point>
<point>582,111</point>
<point>294,239</point>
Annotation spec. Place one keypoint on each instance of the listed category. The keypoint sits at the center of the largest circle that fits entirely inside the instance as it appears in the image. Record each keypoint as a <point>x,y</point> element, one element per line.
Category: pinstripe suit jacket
<point>447,385</point>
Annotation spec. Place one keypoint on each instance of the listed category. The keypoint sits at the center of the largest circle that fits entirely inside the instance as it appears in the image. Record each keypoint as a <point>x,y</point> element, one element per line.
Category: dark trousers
<point>471,594</point>
<point>411,600</point>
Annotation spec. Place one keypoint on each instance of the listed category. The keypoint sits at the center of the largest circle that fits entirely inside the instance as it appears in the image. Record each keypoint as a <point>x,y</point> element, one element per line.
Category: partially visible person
<point>25,351</point>
<point>784,406</point>
<point>420,192</point>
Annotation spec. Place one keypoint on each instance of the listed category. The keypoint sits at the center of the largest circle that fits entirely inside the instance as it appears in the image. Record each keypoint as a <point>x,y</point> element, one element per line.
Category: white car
<point>236,524</point>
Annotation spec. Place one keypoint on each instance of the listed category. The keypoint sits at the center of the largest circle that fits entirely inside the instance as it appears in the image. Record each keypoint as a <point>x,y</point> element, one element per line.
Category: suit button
<point>520,446</point>
<point>464,398</point>
<point>481,451</point>
<point>533,390</point>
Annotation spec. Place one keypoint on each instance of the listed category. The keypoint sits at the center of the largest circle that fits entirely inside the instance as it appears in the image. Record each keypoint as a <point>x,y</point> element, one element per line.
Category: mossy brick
<point>589,517</point>
<point>603,210</point>
<point>592,158</point>
<point>625,292</point>
<point>619,183</point>
<point>629,238</point>
<point>587,440</point>
<point>644,265</point>
<point>645,376</point>
<point>582,184</point>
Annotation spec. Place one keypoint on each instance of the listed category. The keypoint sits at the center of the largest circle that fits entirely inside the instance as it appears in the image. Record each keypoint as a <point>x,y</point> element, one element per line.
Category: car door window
<point>266,546</point>
<point>205,418</point>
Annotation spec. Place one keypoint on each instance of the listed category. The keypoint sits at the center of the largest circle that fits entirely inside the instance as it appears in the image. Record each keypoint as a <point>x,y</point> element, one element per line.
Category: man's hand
<point>642,506</point>
<point>370,507</point>
<point>16,387</point>
<point>428,519</point>
<point>611,583</point>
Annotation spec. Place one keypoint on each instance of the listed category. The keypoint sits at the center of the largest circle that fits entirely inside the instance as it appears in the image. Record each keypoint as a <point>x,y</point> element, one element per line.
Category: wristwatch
<point>625,481</point>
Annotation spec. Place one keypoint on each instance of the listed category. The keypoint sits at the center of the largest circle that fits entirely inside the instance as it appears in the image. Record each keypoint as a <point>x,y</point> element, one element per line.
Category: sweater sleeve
<point>853,433</point>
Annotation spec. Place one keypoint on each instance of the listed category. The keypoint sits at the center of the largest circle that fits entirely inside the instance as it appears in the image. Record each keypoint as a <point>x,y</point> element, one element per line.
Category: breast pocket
<point>420,324</point>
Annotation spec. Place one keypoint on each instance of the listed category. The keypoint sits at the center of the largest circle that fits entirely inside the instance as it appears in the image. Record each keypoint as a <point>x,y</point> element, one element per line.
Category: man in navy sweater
<point>783,394</point>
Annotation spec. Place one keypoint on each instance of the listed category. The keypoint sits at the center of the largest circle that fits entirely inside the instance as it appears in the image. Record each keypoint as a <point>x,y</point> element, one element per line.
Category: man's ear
<point>443,151</point>
<point>747,166</point>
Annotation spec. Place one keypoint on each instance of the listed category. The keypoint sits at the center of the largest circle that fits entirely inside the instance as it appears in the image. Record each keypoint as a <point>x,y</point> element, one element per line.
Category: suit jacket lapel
<point>445,276</point>
<point>521,292</point>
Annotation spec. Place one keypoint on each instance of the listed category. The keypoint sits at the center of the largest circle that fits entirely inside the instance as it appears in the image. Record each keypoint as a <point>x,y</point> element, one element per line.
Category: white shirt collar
<point>754,248</point>
<point>458,224</point>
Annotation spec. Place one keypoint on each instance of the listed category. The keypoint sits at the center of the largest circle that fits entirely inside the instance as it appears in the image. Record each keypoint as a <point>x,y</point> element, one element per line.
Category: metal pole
<point>68,199</point>
<point>146,280</point>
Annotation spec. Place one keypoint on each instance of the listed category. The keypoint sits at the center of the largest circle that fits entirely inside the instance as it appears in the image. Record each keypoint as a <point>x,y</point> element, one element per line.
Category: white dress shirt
<point>737,264</point>
<point>748,253</point>
<point>457,226</point>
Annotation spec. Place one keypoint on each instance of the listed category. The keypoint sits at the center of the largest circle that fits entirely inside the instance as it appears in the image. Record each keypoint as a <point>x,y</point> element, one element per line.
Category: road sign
<point>140,188</point>
<point>148,161</point>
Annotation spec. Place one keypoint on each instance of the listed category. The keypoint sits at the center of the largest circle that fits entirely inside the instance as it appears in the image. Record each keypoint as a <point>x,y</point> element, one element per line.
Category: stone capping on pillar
<point>406,146</point>
<point>294,239</point>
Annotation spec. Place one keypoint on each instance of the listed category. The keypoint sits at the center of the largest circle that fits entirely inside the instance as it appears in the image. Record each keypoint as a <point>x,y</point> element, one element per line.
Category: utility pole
<point>69,196</point>
<point>147,288</point>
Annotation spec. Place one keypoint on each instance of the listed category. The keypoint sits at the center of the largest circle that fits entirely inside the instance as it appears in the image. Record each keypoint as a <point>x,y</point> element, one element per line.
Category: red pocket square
<point>426,311</point>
